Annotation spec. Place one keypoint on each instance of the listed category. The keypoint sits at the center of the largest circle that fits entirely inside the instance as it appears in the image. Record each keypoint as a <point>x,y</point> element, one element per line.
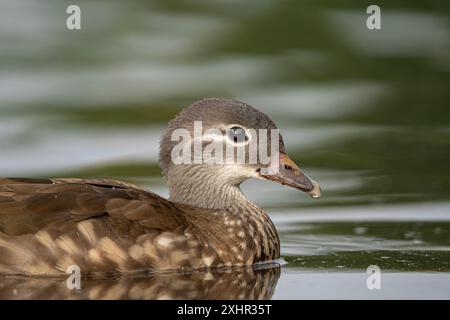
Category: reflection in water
<point>234,283</point>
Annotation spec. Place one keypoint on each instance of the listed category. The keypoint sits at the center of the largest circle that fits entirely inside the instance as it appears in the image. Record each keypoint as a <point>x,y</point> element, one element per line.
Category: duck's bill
<point>290,174</point>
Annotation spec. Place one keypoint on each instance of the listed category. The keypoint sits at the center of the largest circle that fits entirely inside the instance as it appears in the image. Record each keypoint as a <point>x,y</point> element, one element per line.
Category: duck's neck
<point>212,188</point>
<point>215,189</point>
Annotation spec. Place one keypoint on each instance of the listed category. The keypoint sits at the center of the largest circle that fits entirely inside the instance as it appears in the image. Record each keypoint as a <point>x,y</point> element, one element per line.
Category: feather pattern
<point>101,225</point>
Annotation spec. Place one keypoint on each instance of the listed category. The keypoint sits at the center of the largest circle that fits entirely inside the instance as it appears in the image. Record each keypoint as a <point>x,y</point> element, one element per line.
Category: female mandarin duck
<point>102,225</point>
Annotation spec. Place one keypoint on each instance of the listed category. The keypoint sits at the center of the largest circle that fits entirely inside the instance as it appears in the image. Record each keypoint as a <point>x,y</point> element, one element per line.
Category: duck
<point>105,226</point>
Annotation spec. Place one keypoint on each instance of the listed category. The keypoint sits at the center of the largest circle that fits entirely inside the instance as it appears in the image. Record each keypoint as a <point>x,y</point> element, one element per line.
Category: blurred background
<point>365,112</point>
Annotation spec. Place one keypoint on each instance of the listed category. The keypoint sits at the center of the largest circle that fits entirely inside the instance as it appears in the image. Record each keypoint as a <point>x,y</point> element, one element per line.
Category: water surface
<point>364,113</point>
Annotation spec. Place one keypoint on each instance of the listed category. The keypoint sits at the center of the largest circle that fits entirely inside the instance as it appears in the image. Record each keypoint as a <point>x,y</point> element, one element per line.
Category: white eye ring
<point>237,135</point>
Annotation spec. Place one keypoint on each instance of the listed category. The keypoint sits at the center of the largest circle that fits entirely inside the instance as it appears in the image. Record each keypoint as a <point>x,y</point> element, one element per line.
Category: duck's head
<point>214,145</point>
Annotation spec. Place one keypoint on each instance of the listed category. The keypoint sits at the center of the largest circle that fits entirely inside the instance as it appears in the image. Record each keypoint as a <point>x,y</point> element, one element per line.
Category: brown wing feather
<point>28,205</point>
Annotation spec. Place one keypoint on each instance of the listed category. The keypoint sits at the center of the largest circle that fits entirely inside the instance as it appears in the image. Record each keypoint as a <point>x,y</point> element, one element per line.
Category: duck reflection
<point>234,283</point>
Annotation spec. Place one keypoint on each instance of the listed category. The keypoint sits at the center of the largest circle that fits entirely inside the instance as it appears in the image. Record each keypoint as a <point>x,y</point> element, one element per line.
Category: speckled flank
<point>228,238</point>
<point>94,247</point>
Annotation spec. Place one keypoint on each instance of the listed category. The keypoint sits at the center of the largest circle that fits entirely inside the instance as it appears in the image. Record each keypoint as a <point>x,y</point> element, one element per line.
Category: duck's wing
<point>28,205</point>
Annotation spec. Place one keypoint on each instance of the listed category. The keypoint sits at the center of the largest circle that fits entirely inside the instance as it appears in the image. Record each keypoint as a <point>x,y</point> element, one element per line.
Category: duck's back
<point>47,225</point>
<point>102,226</point>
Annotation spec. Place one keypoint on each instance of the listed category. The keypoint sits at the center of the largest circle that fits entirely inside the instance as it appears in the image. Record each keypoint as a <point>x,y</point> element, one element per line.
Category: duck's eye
<point>237,134</point>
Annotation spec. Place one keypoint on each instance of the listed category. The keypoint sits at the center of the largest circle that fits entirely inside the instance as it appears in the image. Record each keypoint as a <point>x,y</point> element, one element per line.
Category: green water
<point>366,113</point>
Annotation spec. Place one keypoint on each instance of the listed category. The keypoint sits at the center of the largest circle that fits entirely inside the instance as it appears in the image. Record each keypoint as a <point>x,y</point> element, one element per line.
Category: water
<point>365,113</point>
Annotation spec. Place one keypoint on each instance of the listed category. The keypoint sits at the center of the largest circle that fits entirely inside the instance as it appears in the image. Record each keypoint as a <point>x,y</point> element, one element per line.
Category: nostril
<point>287,167</point>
